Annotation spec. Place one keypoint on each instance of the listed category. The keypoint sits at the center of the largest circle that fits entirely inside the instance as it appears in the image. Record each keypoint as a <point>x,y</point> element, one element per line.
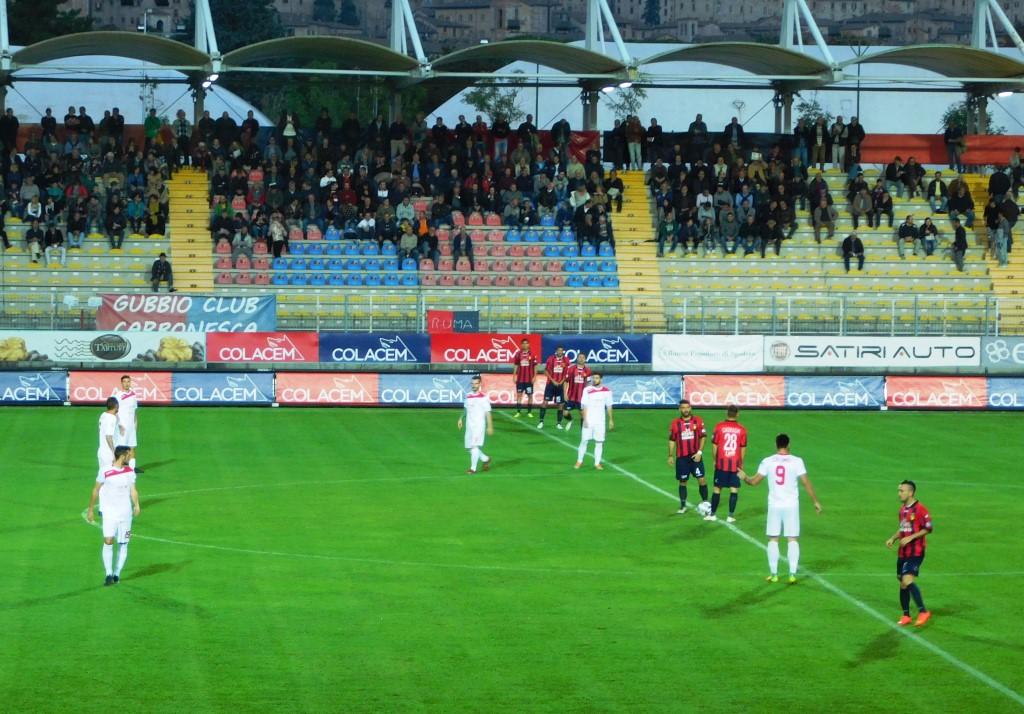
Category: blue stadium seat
<point>316,264</point>
<point>607,266</point>
<point>552,251</point>
<point>389,248</point>
<point>589,266</point>
<point>550,236</point>
<point>567,235</point>
<point>588,251</point>
<point>391,280</point>
<point>593,281</point>
<point>373,280</point>
<point>335,264</point>
<point>279,279</point>
<point>548,220</point>
<point>531,235</point>
<point>610,281</point>
<point>315,249</point>
<point>336,280</point>
<point>299,279</point>
<point>280,264</point>
<point>410,280</point>
<point>334,249</point>
<point>297,248</point>
<point>513,236</point>
<point>571,266</point>
<point>351,249</point>
<point>574,281</point>
<point>318,280</point>
<point>390,264</point>
<point>298,264</point>
<point>409,264</point>
<point>354,280</point>
<point>605,251</point>
<point>353,264</point>
<point>371,264</point>
<point>370,248</point>
<point>332,233</point>
<point>570,251</point>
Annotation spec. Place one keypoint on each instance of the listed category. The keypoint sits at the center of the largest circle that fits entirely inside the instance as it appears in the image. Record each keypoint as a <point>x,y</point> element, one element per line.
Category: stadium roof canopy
<point>345,52</point>
<point>753,57</point>
<point>169,54</point>
<point>495,55</point>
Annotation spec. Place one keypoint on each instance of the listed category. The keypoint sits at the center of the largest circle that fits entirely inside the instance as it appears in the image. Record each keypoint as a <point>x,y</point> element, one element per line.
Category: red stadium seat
<point>517,266</point>
<point>443,234</point>
<point>484,281</point>
<point>223,247</point>
<point>428,280</point>
<point>295,234</point>
<point>501,281</point>
<point>445,248</point>
<point>238,204</point>
<point>498,251</point>
<point>493,219</point>
<point>259,248</point>
<point>313,233</point>
<point>421,204</point>
<point>224,279</point>
<point>465,281</point>
<point>261,264</point>
<point>553,266</point>
<point>538,281</point>
<point>446,281</point>
<point>516,251</point>
<point>500,266</point>
<point>243,279</point>
<point>496,236</point>
<point>427,264</point>
<point>475,219</point>
<point>521,281</point>
<point>463,265</point>
<point>535,266</point>
<point>535,251</point>
<point>243,263</point>
<point>478,237</point>
<point>556,281</point>
<point>446,264</point>
<point>262,279</point>
<point>458,219</point>
<point>223,263</point>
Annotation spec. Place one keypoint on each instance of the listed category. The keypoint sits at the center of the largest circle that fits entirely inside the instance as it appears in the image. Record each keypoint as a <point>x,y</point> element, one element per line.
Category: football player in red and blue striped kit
<point>915,525</point>
<point>686,451</point>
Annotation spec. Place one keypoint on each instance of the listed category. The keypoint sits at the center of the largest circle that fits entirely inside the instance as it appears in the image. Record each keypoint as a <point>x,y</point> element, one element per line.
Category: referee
<point>686,450</point>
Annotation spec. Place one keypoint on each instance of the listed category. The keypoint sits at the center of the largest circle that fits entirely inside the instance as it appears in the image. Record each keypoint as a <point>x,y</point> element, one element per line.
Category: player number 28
<point>780,474</point>
<point>730,443</point>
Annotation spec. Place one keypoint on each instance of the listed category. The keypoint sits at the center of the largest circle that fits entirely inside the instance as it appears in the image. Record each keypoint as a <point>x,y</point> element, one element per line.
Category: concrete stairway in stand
<point>639,274</point>
<point>188,226</point>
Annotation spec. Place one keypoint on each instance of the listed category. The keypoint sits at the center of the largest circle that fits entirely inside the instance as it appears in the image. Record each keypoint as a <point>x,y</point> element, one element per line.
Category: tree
<point>497,97</point>
<point>32,21</point>
<point>960,116</point>
<point>625,102</point>
<point>323,10</point>
<point>349,15</point>
<point>652,12</point>
<point>810,110</point>
<point>241,23</point>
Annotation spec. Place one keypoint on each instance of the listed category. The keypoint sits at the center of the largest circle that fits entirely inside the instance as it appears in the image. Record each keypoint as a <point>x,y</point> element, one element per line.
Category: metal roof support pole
<point>403,29</point>
<point>211,47</point>
<point>5,39</point>
<point>983,114</point>
<point>777,102</point>
<point>593,40</point>
<point>589,99</point>
<point>1004,21</point>
<point>792,11</point>
<point>198,104</point>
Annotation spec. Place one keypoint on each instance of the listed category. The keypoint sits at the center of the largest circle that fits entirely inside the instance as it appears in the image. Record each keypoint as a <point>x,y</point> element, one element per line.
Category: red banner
<point>719,390</point>
<point>936,392</point>
<point>95,387</point>
<point>323,388</point>
<point>479,348</point>
<point>276,347</point>
<point>447,321</point>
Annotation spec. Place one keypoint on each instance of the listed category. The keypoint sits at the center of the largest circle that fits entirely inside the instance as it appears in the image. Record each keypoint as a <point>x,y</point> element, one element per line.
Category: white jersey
<point>782,471</point>
<point>116,492</point>
<point>478,406</point>
<point>108,427</point>
<point>127,403</point>
<point>596,401</point>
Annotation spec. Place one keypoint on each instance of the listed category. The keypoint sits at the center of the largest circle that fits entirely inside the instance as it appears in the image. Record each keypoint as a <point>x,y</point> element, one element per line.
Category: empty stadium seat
<point>318,280</point>
<point>409,280</point>
<point>223,263</point>
<point>391,279</point>
<point>332,233</point>
<point>521,281</point>
<point>390,264</point>
<point>588,251</point>
<point>428,279</point>
<point>280,264</point>
<point>243,262</point>
<point>409,264</point>
<point>463,265</point>
<point>492,219</point>
<point>389,248</point>
<point>224,279</point>
<point>261,279</point>
<point>538,281</point>
<point>336,280</point>
<point>372,280</point>
<point>354,280</point>
<point>316,264</point>
<point>484,281</point>
<point>458,219</point>
<point>313,232</point>
<point>426,264</point>
<point>315,249</point>
<point>243,278</point>
<point>299,279</point>
<point>513,235</point>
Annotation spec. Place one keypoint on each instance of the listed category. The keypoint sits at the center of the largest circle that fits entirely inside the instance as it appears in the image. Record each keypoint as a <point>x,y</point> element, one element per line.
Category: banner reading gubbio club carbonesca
<point>187,313</point>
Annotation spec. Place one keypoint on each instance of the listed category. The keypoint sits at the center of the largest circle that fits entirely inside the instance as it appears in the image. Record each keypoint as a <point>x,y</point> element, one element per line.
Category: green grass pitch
<point>340,560</point>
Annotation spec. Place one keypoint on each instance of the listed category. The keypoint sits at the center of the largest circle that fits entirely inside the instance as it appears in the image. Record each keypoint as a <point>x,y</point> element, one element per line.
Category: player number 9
<point>780,474</point>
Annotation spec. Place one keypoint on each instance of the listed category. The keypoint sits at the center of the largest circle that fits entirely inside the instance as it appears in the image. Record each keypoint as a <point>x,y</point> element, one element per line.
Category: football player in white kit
<point>119,502</point>
<point>128,418</point>
<point>783,470</point>
<point>108,434</point>
<point>595,405</point>
<point>478,421</point>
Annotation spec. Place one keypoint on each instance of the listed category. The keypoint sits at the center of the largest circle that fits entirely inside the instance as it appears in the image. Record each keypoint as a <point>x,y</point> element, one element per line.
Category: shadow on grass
<point>885,646</point>
<point>47,599</point>
<point>745,601</point>
<point>156,465</point>
<point>158,569</point>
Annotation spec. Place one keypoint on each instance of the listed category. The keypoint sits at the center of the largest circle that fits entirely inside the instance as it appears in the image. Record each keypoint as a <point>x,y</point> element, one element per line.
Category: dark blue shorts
<point>726,479</point>
<point>909,566</point>
<point>524,387</point>
<point>572,405</point>
<point>687,467</point>
<point>554,393</point>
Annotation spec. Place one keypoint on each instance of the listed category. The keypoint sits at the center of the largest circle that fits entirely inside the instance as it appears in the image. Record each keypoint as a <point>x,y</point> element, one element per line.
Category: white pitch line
<point>838,592</point>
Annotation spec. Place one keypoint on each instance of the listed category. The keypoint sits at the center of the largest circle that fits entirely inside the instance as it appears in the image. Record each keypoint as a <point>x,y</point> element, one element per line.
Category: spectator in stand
<point>707,236</point>
<point>733,137</point>
<point>161,272</point>
<point>728,234</point>
<point>998,232</point>
<point>771,233</point>
<point>116,224</point>
<point>894,176</point>
<point>825,216</point>
<point>839,135</point>
<point>929,233</point>
<point>786,218</point>
<point>634,132</point>
<point>655,138</point>
<point>801,146</point>
<point>500,131</point>
<point>9,125</point>
<point>398,134</point>
<point>277,235</point>
<point>135,214</point>
<point>907,233</point>
<point>54,242</point>
<point>462,245</point>
<point>959,249</point>
<point>150,127</point>
<point>561,134</point>
<point>698,136</point>
<point>4,240</point>
<point>999,185</point>
<point>408,242</point>
<point>35,239</point>
<point>913,174</point>
<point>1011,212</point>
<point>853,247</point>
<point>883,207</point>
<point>429,245</point>
<point>818,138</point>
<point>938,194</point>
<point>953,138</point>
<point>750,235</point>
<point>182,128</point>
<point>961,204</point>
<point>48,123</point>
<point>855,139</point>
<point>861,206</point>
<point>616,189</point>
<point>668,231</point>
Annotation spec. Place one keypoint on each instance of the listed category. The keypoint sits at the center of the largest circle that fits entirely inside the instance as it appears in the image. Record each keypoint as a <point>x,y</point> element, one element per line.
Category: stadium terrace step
<point>639,274</point>
<point>188,225</point>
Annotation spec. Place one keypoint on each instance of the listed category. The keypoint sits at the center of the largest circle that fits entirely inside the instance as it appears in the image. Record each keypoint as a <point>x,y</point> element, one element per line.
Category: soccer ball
<point>704,508</point>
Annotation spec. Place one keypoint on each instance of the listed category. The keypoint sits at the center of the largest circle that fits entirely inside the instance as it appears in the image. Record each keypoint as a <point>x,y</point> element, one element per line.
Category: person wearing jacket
<point>907,232</point>
<point>728,233</point>
<point>959,244</point>
<point>938,194</point>
<point>961,204</point>
<point>825,216</point>
<point>853,247</point>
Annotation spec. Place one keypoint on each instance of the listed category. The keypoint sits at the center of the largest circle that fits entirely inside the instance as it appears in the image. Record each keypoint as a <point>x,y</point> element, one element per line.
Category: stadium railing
<point>580,312</point>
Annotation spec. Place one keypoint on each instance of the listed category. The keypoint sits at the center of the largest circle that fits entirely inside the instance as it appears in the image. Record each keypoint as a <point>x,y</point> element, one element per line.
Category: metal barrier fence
<point>596,311</point>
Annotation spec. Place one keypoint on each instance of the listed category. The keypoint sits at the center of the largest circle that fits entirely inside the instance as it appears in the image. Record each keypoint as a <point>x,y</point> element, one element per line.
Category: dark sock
<point>682,495</point>
<point>703,492</point>
<point>559,416</point>
<point>568,416</point>
<point>905,600</point>
<point>715,498</point>
<point>916,594</point>
<point>543,411</point>
<point>733,497</point>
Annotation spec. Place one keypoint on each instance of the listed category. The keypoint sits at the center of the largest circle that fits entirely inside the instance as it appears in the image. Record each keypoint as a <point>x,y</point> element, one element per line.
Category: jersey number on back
<point>730,443</point>
<point>780,474</point>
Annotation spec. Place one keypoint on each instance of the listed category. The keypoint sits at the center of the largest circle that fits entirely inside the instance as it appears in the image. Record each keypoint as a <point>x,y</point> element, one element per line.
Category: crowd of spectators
<point>714,193</point>
<point>79,177</point>
<point>397,182</point>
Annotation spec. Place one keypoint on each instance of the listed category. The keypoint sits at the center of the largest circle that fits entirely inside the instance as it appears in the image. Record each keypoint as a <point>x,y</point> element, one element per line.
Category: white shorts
<point>118,528</point>
<point>783,520</point>
<point>128,438</point>
<point>474,437</point>
<point>105,457</point>
<point>595,432</point>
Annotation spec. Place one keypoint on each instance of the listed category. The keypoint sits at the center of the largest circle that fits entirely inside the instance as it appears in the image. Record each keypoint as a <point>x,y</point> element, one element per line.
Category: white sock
<point>773,557</point>
<point>131,462</point>
<point>108,558</point>
<point>582,451</point>
<point>793,556</point>
<point>598,450</point>
<point>484,457</point>
<point>122,555</point>
<point>474,457</point>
